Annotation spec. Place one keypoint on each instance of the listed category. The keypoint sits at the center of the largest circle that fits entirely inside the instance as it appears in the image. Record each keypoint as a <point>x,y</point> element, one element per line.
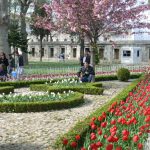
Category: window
<point>51,52</point>
<point>72,40</point>
<point>87,49</point>
<point>116,53</point>
<point>138,53</point>
<point>62,50</point>
<point>101,53</point>
<point>126,53</point>
<point>74,52</point>
<point>33,52</point>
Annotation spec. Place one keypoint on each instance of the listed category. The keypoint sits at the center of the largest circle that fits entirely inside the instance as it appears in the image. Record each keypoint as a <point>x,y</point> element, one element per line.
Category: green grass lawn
<point>52,64</point>
<point>69,67</point>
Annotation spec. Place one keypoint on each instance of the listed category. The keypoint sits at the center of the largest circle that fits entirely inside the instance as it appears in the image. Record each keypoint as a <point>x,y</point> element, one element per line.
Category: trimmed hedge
<point>6,89</point>
<point>90,88</point>
<point>86,90</point>
<point>18,84</point>
<point>114,77</point>
<point>20,107</point>
<point>82,127</point>
<point>39,87</point>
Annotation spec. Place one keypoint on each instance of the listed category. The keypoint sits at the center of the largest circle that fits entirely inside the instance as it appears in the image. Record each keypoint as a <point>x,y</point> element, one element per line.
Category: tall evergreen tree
<point>15,37</point>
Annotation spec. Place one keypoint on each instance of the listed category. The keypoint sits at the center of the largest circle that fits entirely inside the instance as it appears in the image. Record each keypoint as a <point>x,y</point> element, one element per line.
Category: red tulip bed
<point>124,126</point>
<point>70,75</point>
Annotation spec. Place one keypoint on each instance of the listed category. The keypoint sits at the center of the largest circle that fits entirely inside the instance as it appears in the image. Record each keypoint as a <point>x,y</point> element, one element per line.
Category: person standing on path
<point>85,58</point>
<point>4,62</point>
<point>11,61</point>
<point>19,63</point>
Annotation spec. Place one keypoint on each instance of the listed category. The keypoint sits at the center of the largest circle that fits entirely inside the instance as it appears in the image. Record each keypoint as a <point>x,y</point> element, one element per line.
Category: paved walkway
<point>38,131</point>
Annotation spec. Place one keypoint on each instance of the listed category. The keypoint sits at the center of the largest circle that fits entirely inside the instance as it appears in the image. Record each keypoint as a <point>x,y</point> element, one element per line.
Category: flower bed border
<point>90,88</point>
<point>21,107</point>
<point>82,127</point>
<point>6,89</point>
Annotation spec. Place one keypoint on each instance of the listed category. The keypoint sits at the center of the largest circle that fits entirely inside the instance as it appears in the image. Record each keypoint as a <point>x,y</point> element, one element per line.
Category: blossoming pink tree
<point>96,18</point>
<point>42,24</point>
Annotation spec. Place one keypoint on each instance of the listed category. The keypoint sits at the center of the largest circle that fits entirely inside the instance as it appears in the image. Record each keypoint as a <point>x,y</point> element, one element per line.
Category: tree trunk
<point>4,27</point>
<point>93,56</point>
<point>41,46</point>
<point>23,12</point>
<point>81,46</point>
<point>93,52</point>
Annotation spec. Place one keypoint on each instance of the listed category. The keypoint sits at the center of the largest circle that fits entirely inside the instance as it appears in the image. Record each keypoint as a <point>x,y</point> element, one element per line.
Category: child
<point>2,73</point>
<point>14,74</point>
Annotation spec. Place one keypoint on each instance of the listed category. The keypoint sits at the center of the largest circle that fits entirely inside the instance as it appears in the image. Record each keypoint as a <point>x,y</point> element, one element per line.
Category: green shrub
<point>6,89</point>
<point>82,127</point>
<point>123,74</point>
<point>20,107</point>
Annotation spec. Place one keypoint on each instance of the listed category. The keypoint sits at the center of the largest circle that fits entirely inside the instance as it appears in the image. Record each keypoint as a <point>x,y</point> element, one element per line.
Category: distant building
<point>129,49</point>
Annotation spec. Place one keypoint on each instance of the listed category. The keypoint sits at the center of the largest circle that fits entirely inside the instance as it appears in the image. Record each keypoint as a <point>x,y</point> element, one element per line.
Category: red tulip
<point>100,132</point>
<point>93,146</point>
<point>74,144</point>
<point>125,132</point>
<point>119,148</point>
<point>93,126</point>
<point>147,119</point>
<point>109,147</point>
<point>125,138</point>
<point>77,137</point>
<point>140,146</point>
<point>93,136</point>
<point>103,124</point>
<point>135,138</point>
<point>93,119</point>
<point>65,141</point>
<point>113,133</point>
<point>113,122</point>
<point>99,144</point>
<point>100,118</point>
<point>110,139</point>
<point>104,115</point>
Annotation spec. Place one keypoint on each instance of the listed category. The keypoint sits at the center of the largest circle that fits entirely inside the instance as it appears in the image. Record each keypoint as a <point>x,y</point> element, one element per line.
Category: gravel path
<point>38,131</point>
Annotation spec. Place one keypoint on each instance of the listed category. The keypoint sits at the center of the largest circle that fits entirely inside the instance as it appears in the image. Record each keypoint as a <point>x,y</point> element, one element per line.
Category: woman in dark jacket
<point>4,61</point>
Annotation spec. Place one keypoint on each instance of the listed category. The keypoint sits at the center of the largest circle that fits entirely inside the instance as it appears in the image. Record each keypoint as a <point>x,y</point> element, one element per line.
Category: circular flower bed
<point>40,97</point>
<point>41,102</point>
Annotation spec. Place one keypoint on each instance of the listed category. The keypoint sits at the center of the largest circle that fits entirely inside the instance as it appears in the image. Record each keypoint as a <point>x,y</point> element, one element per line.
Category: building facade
<point>128,49</point>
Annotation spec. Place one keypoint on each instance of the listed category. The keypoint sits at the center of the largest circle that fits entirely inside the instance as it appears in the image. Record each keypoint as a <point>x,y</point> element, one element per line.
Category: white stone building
<point>130,49</point>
